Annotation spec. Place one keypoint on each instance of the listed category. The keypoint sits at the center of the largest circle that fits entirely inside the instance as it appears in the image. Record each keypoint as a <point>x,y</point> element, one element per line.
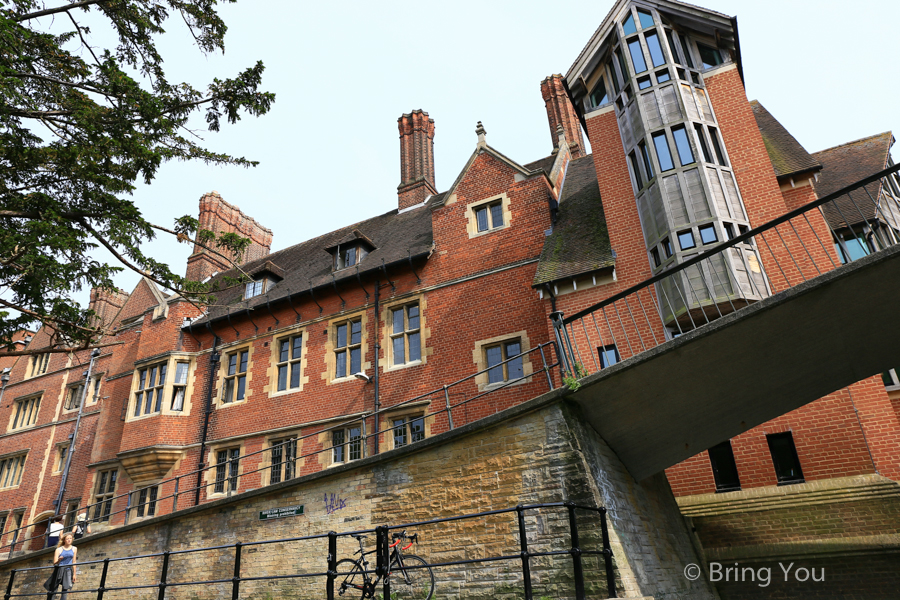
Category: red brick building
<point>341,345</point>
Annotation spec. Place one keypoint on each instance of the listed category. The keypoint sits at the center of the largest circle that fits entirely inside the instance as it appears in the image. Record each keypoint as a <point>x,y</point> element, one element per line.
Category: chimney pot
<point>561,113</point>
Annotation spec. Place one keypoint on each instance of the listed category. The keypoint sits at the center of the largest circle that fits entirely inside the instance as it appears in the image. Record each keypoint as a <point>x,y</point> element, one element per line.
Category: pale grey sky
<point>343,73</point>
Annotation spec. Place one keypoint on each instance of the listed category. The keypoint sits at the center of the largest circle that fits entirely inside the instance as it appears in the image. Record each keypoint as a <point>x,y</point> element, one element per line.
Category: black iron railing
<point>103,509</point>
<point>161,582</point>
<point>796,247</point>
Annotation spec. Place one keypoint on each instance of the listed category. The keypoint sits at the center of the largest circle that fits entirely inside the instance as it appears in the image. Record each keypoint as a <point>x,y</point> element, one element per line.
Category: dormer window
<point>265,276</point>
<point>350,250</point>
<point>255,288</point>
<point>349,255</point>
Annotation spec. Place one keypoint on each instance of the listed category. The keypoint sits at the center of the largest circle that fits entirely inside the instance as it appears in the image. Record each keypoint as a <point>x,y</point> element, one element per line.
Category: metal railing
<point>796,247</point>
<point>230,484</point>
<point>523,557</point>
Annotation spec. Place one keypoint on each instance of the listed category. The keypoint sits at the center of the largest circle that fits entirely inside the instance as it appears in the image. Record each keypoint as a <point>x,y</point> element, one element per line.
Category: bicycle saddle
<point>358,537</point>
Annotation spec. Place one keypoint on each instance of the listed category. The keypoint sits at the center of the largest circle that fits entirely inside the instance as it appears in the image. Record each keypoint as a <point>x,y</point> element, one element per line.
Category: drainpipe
<point>213,362</point>
<point>377,350</point>
<point>65,475</point>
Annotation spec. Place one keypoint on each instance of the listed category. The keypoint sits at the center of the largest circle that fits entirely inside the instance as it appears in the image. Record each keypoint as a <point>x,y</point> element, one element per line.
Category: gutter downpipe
<point>65,475</point>
<point>377,350</point>
<point>213,361</point>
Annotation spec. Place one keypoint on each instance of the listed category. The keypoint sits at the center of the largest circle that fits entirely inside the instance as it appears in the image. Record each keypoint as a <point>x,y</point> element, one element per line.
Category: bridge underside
<point>689,394</point>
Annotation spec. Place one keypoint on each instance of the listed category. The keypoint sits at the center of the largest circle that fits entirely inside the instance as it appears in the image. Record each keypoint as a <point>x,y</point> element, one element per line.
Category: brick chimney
<point>107,304</point>
<point>416,158</point>
<point>220,217</point>
<point>561,112</point>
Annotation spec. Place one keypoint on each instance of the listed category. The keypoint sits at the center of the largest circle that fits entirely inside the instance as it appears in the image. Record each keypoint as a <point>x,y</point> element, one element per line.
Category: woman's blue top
<point>66,556</point>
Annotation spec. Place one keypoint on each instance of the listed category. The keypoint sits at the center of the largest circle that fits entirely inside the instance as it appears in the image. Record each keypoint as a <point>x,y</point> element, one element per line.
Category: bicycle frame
<point>396,559</point>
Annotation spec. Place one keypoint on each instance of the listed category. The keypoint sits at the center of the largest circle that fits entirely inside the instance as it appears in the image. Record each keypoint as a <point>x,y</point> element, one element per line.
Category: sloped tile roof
<point>396,236</point>
<point>846,164</point>
<point>545,164</point>
<point>787,155</point>
<point>579,243</point>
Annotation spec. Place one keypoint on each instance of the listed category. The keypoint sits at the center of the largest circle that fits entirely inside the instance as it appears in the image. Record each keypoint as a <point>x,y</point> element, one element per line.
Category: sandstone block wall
<point>545,455</point>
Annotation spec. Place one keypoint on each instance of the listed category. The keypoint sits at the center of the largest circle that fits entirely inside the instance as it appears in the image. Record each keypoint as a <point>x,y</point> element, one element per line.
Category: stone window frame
<point>209,476</point>
<point>271,388</point>
<point>413,410</point>
<point>14,413</point>
<point>266,461</point>
<point>330,346</point>
<point>326,439</point>
<point>95,504</point>
<point>171,360</point>
<point>33,364</point>
<point>59,457</point>
<point>479,357</point>
<point>472,222</point>
<point>222,374</point>
<point>18,475</point>
<point>387,333</point>
<point>147,505</point>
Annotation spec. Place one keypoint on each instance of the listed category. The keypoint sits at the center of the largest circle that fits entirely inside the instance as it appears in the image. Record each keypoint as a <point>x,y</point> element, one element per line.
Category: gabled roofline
<point>681,9</point>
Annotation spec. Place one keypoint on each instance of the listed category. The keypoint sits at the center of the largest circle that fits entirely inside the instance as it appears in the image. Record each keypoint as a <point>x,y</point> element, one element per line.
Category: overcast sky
<point>343,72</point>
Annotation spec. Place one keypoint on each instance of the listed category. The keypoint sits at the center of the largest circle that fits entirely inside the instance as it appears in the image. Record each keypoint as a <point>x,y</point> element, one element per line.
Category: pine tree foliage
<point>80,125</point>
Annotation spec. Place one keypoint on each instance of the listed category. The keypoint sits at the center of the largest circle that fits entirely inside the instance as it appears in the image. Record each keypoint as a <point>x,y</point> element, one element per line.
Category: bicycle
<point>415,580</point>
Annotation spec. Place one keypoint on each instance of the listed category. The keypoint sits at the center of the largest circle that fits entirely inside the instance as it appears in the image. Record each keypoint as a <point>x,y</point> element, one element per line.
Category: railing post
<point>556,317</point>
<point>52,591</point>
<point>236,580</point>
<point>175,496</point>
<point>164,573</point>
<point>382,552</point>
<point>101,587</point>
<point>332,565</point>
<point>127,507</point>
<point>607,555</point>
<point>523,546</point>
<point>576,553</point>
<point>9,584</point>
<point>449,410</point>
<point>546,369</point>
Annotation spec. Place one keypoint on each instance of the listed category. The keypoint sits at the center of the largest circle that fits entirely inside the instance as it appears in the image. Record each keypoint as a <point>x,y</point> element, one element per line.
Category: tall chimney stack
<point>416,158</point>
<point>561,112</point>
<point>221,217</point>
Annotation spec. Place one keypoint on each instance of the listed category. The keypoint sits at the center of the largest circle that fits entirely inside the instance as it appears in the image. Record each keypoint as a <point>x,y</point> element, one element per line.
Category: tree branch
<point>19,214</point>
<point>58,350</point>
<point>44,318</point>
<point>53,11</point>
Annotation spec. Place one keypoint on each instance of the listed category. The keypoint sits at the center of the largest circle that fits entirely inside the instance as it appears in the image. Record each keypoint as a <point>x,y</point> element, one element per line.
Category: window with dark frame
<point>61,452</point>
<point>704,148</point>
<point>686,53</point>
<point>408,430</point>
<point>609,355</point>
<point>638,181</point>
<point>290,355</point>
<point>73,396</point>
<point>346,444</point>
<point>654,253</point>
<point>729,231</point>
<point>18,517</point>
<point>235,387</point>
<point>489,216</point>
<point>709,56</point>
<point>348,348</point>
<point>146,504</point>
<point>890,378</point>
<point>685,154</point>
<point>645,19</point>
<point>406,340</point>
<point>708,234</point>
<point>179,386</point>
<point>39,363</point>
<point>227,463</point>
<point>103,497</point>
<point>686,240</point>
<point>714,138</point>
<point>26,412</point>
<point>667,247</point>
<point>149,395</point>
<point>255,288</point>
<point>645,157</point>
<point>500,371</point>
<point>725,473</point>
<point>663,76</point>
<point>663,153</point>
<point>784,458</point>
<point>656,53</point>
<point>349,255</point>
<point>284,458</point>
<point>599,96</point>
<point>644,83</point>
<point>11,469</point>
<point>637,55</point>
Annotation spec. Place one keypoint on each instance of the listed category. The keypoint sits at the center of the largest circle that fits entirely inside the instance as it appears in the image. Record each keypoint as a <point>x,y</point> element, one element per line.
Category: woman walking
<point>64,559</point>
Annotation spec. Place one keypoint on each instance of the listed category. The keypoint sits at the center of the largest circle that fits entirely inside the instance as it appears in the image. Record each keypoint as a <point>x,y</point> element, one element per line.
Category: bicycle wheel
<point>412,584</point>
<point>351,582</point>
